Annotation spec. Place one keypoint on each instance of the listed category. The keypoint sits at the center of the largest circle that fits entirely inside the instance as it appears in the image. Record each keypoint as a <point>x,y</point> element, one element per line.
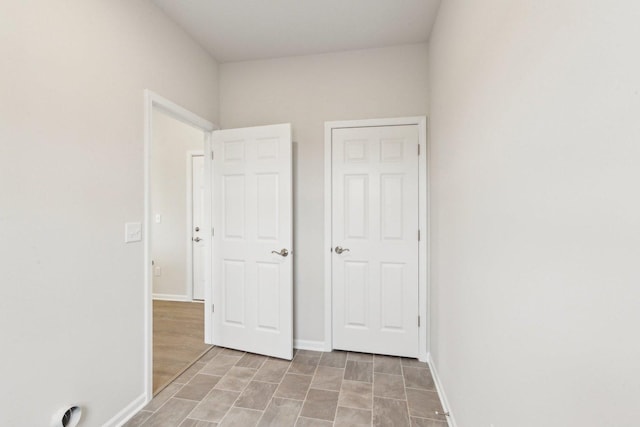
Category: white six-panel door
<point>252,242</point>
<point>375,239</point>
<point>197,223</point>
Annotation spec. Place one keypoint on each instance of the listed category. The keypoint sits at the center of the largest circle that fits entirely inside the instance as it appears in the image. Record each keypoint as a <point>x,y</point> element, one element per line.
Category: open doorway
<point>177,214</point>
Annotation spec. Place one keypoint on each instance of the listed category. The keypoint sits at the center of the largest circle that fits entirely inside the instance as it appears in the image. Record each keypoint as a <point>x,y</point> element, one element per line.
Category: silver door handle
<point>283,252</point>
<point>339,250</point>
<point>196,239</point>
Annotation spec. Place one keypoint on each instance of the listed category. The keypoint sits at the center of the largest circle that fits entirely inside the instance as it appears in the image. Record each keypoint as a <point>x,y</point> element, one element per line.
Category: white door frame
<point>423,223</point>
<point>190,155</point>
<point>152,100</point>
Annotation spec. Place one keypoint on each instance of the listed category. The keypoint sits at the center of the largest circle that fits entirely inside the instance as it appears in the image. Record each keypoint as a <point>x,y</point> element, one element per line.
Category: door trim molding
<point>423,215</point>
<point>189,191</point>
<point>153,100</point>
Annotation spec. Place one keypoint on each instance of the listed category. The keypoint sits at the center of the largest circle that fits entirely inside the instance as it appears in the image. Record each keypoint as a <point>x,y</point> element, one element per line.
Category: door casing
<point>152,101</point>
<point>190,225</point>
<point>423,215</point>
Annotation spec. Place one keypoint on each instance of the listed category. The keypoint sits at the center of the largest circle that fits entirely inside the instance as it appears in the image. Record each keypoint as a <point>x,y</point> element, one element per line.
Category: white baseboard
<point>443,396</point>
<point>171,297</point>
<point>129,411</point>
<point>309,345</point>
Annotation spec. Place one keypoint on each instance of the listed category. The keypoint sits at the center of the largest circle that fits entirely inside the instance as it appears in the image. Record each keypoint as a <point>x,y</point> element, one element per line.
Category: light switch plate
<point>132,232</point>
<point>158,218</point>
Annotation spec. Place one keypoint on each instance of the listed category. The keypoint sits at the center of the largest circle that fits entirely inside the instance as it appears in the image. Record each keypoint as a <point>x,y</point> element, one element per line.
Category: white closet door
<point>252,243</point>
<point>375,239</point>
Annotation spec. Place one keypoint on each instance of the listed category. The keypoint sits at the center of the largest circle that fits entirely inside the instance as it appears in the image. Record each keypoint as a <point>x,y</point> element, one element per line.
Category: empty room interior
<point>364,212</point>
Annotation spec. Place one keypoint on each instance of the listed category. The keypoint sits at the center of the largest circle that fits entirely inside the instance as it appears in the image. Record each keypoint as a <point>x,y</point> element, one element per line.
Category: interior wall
<point>306,91</point>
<point>172,139</point>
<point>71,174</point>
<point>536,211</point>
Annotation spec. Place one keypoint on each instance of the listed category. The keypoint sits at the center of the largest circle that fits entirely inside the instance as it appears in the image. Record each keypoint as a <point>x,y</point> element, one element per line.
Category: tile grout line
<point>308,389</point>
<point>233,405</point>
<point>210,391</point>
<point>406,396</point>
<point>213,389</point>
<point>274,391</point>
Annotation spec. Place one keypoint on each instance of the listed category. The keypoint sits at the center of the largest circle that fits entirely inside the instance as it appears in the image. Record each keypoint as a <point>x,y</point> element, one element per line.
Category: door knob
<point>196,239</point>
<point>283,252</point>
<point>197,228</point>
<point>339,250</point>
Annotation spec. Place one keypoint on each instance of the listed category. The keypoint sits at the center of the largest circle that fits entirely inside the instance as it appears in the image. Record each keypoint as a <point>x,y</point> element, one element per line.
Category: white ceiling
<point>238,30</point>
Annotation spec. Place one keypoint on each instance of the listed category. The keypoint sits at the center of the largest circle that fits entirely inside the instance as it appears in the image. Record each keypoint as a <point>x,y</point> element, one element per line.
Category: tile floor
<point>231,388</point>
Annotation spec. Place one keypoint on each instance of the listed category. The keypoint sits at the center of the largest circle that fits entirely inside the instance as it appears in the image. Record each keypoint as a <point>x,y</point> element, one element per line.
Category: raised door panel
<point>233,292</point>
<point>267,204</point>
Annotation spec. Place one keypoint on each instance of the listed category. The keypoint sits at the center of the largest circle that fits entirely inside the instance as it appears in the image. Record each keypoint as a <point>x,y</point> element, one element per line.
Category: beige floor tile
<point>294,386</point>
<point>250,360</point>
<point>189,373</point>
<point>424,404</point>
<point>358,371</point>
<point>334,359</point>
<point>256,395</point>
<point>304,364</point>
<point>272,371</point>
<point>214,406</point>
<point>356,395</point>
<point>231,352</point>
<point>387,365</point>
<point>281,413</point>
<point>350,417</point>
<point>241,417</point>
<point>198,387</point>
<point>418,378</point>
<point>389,386</point>
<point>171,413</point>
<point>336,389</point>
<point>424,422</point>
<point>414,363</point>
<point>138,419</point>
<point>327,378</point>
<point>220,365</point>
<point>236,379</point>
<point>360,357</point>
<point>320,404</point>
<point>390,412</point>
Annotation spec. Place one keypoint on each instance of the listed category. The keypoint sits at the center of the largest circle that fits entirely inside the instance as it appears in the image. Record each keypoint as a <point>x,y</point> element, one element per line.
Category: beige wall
<point>307,91</point>
<point>172,139</point>
<point>72,77</point>
<point>535,211</point>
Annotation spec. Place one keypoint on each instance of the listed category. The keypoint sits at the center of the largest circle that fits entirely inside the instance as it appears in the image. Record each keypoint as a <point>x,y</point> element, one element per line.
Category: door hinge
<point>418,235</point>
<point>213,231</point>
<point>418,321</point>
<point>418,149</point>
<point>212,155</point>
<point>213,308</point>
